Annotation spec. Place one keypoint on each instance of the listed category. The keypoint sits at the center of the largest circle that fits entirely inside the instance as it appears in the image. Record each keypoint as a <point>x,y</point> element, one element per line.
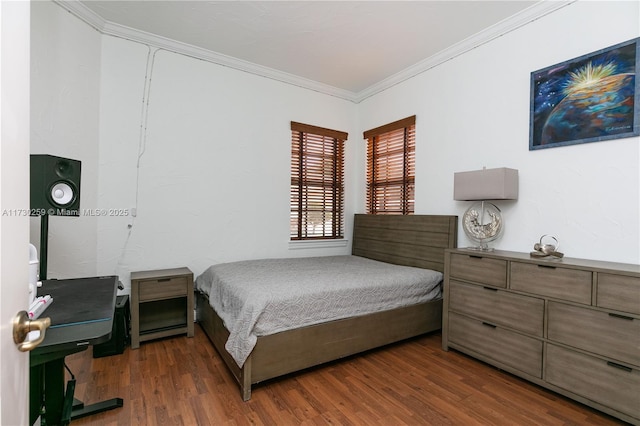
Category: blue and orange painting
<point>591,98</point>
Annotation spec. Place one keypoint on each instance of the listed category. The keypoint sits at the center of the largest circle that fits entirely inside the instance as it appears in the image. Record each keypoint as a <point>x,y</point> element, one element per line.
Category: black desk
<point>81,315</point>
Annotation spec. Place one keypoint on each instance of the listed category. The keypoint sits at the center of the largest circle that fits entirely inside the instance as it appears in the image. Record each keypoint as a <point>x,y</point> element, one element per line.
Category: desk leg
<point>36,389</point>
<point>53,391</point>
<point>60,407</point>
<point>98,407</point>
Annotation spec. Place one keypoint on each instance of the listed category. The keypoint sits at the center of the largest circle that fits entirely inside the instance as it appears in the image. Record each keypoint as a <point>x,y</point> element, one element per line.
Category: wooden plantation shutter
<point>391,167</point>
<point>317,182</point>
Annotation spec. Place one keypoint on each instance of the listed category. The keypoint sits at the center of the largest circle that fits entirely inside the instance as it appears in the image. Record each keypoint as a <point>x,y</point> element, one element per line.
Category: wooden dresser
<point>570,325</point>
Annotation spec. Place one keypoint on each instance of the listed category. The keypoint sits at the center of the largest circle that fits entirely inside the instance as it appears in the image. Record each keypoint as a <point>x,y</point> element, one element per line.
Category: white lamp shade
<point>486,184</point>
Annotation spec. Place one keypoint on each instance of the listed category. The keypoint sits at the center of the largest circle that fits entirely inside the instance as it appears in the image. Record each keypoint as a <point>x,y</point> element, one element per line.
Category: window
<point>317,189</point>
<point>391,167</point>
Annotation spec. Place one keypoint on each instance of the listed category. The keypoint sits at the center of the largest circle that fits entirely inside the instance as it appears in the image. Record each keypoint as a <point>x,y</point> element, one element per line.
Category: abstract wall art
<point>595,97</point>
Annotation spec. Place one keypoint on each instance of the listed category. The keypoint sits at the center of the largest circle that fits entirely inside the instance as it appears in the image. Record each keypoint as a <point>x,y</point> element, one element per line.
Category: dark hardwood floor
<point>182,381</point>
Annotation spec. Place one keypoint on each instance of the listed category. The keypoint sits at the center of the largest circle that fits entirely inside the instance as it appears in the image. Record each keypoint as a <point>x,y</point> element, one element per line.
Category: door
<point>14,205</point>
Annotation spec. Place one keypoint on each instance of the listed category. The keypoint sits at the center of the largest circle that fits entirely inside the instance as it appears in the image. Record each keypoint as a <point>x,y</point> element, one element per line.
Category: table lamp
<point>482,222</point>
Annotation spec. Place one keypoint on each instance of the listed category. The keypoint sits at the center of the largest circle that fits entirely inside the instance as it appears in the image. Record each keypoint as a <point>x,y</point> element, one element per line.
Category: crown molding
<point>75,7</point>
<point>82,12</point>
<point>178,47</point>
<point>514,22</point>
<point>103,26</point>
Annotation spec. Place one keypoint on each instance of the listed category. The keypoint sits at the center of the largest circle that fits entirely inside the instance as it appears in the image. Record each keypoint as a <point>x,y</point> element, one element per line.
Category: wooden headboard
<point>410,240</point>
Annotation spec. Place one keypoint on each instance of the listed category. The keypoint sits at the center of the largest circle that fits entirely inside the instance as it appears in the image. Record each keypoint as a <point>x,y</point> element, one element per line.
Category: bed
<point>416,241</point>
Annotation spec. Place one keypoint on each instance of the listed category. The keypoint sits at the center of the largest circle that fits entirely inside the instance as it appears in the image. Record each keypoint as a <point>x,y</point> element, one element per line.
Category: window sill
<point>314,244</point>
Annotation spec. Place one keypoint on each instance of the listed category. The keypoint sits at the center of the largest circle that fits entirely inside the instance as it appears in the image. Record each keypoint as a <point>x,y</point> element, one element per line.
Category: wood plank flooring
<point>183,381</point>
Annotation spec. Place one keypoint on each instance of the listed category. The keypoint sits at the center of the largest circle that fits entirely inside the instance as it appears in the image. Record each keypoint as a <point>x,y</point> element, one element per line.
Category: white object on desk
<point>39,305</point>
<point>33,272</point>
<point>35,310</point>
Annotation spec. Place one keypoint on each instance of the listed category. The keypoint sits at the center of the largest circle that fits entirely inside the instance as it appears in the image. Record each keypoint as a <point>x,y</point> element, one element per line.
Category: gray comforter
<point>261,297</point>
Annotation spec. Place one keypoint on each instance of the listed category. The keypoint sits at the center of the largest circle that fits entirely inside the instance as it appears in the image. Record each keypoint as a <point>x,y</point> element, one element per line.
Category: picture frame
<point>591,98</point>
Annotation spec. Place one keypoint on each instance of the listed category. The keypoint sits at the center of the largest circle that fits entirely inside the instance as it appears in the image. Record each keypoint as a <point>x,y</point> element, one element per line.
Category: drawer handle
<point>624,317</point>
<point>490,288</point>
<point>620,367</point>
<point>162,280</point>
<point>547,266</point>
<point>488,325</point>
<point>475,256</point>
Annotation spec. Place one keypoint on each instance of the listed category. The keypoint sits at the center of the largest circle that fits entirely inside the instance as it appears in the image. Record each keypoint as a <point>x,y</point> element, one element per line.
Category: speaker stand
<point>44,245</point>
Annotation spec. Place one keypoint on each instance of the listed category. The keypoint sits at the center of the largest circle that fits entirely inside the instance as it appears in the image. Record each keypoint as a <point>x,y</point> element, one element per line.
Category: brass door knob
<point>22,325</point>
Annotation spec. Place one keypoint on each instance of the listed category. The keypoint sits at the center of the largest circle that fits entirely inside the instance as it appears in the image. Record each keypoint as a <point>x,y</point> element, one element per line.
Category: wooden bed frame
<point>414,240</point>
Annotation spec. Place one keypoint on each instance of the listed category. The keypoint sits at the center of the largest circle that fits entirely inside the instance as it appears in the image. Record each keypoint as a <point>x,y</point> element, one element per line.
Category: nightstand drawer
<point>552,281</point>
<point>513,349</point>
<point>605,334</point>
<point>162,288</point>
<point>598,380</point>
<point>523,313</point>
<point>619,292</point>
<point>479,269</point>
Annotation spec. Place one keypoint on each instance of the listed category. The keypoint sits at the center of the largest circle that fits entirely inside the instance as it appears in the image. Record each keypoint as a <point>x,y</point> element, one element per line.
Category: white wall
<point>213,178</point>
<point>65,93</point>
<point>473,111</point>
<point>214,170</point>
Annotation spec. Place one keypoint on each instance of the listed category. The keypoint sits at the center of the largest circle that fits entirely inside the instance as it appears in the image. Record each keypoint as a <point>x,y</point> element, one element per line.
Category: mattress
<point>267,296</point>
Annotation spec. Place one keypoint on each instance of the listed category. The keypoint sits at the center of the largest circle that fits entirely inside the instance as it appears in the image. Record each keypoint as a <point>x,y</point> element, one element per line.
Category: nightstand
<point>161,304</point>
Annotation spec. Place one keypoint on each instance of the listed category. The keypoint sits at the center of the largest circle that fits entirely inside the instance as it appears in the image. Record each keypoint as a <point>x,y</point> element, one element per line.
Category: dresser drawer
<point>595,331</point>
<point>498,307</point>
<point>479,269</point>
<point>162,288</point>
<point>594,379</point>
<point>551,281</point>
<point>513,349</point>
<point>619,292</point>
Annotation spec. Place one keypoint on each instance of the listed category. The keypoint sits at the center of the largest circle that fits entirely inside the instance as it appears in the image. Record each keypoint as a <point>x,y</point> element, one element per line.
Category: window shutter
<point>317,182</point>
<point>391,168</point>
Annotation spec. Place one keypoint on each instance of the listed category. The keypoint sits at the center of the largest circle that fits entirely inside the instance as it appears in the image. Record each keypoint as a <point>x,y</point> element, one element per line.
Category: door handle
<point>22,325</point>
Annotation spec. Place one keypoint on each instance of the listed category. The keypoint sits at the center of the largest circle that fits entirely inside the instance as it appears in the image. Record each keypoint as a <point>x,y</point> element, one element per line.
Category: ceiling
<point>347,45</point>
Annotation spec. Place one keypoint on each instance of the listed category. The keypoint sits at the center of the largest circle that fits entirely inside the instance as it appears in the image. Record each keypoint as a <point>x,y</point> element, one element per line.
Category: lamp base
<point>484,247</point>
<point>482,222</point>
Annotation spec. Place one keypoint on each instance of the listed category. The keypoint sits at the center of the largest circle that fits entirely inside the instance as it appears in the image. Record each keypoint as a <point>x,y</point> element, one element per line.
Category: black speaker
<point>55,186</point>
